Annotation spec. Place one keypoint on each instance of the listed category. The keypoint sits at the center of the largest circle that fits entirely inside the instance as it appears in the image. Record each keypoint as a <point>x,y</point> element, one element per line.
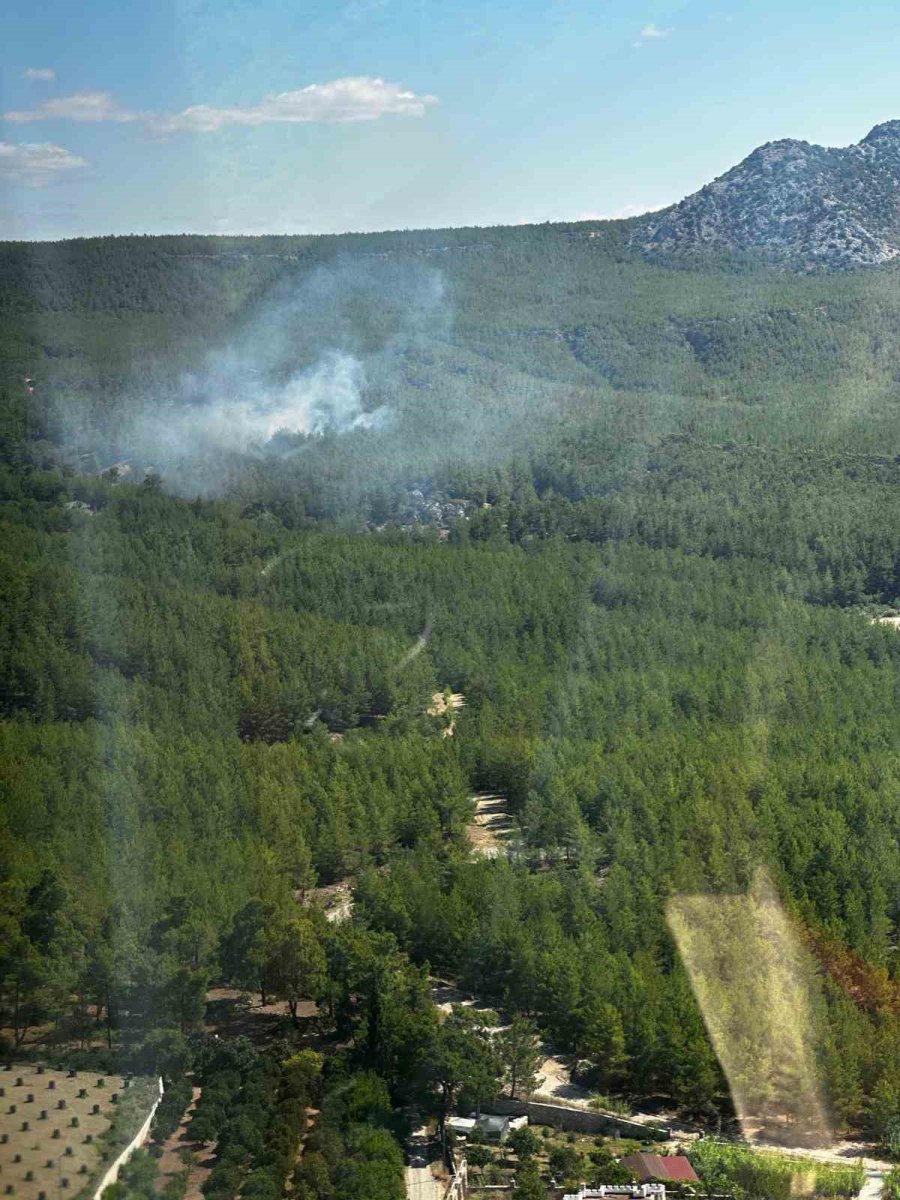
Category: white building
<point>494,1128</point>
<point>619,1191</point>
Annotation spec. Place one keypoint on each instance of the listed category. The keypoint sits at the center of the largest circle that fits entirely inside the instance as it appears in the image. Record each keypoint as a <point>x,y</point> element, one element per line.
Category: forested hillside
<point>640,515</point>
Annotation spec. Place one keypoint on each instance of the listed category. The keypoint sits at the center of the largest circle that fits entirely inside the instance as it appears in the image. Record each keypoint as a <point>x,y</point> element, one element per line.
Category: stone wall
<point>580,1120</point>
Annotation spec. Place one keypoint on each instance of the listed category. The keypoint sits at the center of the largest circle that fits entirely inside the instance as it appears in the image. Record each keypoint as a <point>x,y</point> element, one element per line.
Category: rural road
<point>420,1182</point>
<point>422,1185</point>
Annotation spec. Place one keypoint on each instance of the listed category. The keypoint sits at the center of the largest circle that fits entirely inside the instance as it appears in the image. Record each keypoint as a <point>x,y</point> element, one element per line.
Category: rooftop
<point>674,1168</point>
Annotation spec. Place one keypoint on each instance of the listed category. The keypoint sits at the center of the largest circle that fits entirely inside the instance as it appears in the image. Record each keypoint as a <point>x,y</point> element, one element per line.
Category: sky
<point>321,116</point>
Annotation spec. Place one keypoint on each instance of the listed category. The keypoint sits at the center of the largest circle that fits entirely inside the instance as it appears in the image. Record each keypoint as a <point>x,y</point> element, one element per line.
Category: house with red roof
<point>667,1168</point>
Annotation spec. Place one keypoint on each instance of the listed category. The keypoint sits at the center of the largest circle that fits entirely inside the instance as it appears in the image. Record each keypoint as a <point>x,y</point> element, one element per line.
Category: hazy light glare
<point>754,984</point>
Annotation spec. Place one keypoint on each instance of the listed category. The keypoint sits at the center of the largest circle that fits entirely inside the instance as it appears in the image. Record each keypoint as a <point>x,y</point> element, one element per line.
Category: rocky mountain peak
<point>795,202</point>
<point>888,131</point>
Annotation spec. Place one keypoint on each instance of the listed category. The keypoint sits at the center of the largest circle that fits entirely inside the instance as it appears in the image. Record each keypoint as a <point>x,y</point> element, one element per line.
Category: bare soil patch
<point>444,705</point>
<point>492,827</point>
<point>554,1081</point>
<point>37,1111</point>
<point>335,898</point>
<point>446,994</point>
<point>234,1012</point>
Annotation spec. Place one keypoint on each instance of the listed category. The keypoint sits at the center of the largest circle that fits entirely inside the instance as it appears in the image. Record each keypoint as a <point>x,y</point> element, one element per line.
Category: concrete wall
<point>136,1142</point>
<point>581,1120</point>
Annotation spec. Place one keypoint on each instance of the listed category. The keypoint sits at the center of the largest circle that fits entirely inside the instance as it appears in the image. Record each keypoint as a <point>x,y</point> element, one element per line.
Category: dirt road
<point>873,1186</point>
<point>842,1153</point>
<point>170,1162</point>
<point>422,1185</point>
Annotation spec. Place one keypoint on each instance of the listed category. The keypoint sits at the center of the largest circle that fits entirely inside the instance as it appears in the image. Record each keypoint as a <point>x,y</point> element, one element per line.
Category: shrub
<point>479,1156</point>
<point>770,1174</point>
<point>609,1104</point>
<point>175,1101</point>
<point>566,1162</point>
<point>524,1143</point>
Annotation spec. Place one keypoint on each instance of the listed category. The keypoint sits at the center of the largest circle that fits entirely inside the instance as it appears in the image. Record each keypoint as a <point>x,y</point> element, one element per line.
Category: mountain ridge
<point>795,201</point>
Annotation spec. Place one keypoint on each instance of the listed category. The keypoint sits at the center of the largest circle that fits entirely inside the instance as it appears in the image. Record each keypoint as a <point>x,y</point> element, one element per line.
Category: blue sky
<point>314,116</point>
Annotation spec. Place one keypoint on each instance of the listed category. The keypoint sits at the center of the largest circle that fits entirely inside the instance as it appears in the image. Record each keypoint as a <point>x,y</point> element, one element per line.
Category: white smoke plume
<point>325,352</point>
<point>238,412</point>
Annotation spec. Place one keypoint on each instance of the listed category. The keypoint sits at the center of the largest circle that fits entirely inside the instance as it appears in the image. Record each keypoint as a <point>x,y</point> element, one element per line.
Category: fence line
<point>138,1140</point>
<point>459,1170</point>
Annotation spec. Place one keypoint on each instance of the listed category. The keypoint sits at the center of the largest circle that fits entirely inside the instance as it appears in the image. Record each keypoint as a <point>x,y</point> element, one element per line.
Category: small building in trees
<point>662,1168</point>
<point>493,1127</point>
<point>619,1191</point>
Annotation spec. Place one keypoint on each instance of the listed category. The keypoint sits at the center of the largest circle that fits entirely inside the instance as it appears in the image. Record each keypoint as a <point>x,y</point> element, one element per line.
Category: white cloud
<point>620,214</point>
<point>341,101</point>
<point>36,163</point>
<point>90,107</point>
<point>39,74</point>
<point>650,33</point>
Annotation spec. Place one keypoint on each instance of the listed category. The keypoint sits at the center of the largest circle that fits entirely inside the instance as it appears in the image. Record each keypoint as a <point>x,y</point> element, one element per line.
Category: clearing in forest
<point>554,1080</point>
<point>335,898</point>
<point>492,827</point>
<point>446,705</point>
<point>237,1012</point>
